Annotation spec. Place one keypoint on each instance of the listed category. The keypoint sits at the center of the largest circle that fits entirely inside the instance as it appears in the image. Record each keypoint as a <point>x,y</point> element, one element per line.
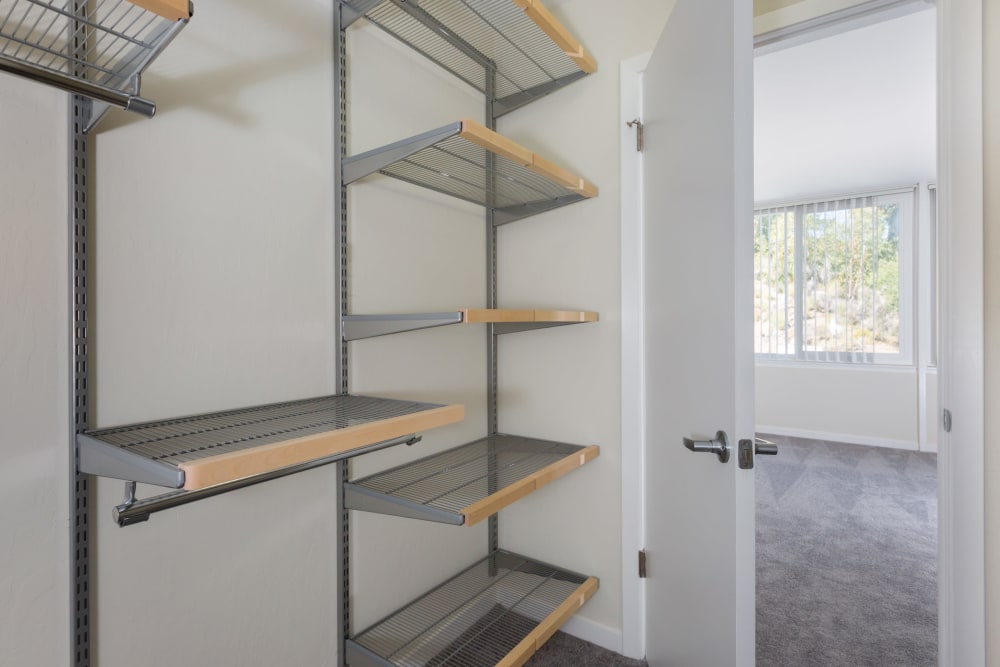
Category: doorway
<point>959,600</point>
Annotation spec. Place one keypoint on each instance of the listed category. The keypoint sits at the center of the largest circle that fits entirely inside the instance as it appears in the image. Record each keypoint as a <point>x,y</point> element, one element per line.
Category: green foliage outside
<point>849,276</point>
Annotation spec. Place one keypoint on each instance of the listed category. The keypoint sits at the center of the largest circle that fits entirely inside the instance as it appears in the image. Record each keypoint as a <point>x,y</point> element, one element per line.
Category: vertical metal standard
<point>343,470</point>
<point>492,408</point>
<point>79,207</point>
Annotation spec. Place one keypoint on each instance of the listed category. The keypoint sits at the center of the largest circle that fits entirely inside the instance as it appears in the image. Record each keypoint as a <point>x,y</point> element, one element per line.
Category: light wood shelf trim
<point>490,505</point>
<point>173,10</point>
<point>485,137</point>
<point>474,315</point>
<point>213,470</point>
<point>550,624</point>
<point>558,33</point>
<point>563,177</point>
<point>565,316</point>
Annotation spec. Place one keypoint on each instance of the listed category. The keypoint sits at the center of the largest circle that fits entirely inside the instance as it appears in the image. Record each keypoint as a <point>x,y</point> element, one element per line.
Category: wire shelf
<point>532,53</point>
<point>204,450</point>
<point>97,49</point>
<point>470,162</point>
<point>504,606</point>
<point>465,485</point>
<point>356,327</point>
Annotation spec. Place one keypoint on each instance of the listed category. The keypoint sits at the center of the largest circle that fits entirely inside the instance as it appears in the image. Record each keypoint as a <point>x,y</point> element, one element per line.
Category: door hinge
<point>639,139</point>
<point>642,563</point>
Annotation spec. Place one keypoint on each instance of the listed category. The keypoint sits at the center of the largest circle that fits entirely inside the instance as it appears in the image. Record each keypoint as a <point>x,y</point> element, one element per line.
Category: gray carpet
<point>846,562</point>
<point>565,650</point>
<point>846,556</point>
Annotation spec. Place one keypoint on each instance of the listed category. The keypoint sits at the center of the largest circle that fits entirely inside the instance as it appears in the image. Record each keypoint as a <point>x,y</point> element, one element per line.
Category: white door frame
<point>961,487</point>
<point>633,364</point>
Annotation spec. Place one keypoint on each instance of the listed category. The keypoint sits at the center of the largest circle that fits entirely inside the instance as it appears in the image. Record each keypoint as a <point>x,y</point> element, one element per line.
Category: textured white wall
<point>35,431</point>
<point>861,405</point>
<point>213,283</point>
<point>847,113</point>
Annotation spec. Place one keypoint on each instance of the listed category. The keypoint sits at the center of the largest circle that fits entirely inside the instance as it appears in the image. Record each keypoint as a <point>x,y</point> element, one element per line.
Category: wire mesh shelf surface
<point>469,483</point>
<point>187,442</point>
<point>503,604</point>
<point>528,61</point>
<point>102,43</point>
<point>470,162</point>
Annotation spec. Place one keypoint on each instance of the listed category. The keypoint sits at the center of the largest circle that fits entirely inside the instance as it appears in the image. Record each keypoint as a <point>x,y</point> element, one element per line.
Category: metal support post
<point>79,483</point>
<point>342,473</point>
<point>491,302</point>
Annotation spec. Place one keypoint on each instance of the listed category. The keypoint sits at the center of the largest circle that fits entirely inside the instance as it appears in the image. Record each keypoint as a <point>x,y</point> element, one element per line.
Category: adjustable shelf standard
<point>502,608</point>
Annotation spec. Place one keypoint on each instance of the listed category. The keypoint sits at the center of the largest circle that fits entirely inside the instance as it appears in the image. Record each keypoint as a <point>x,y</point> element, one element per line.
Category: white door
<point>697,279</point>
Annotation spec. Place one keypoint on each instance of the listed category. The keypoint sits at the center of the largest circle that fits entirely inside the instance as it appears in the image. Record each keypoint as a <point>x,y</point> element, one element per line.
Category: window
<point>832,279</point>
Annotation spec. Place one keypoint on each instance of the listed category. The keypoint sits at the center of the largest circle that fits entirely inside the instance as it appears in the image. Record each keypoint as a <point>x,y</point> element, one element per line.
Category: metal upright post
<point>79,113</point>
<point>342,472</point>
<point>79,527</point>
<point>491,302</point>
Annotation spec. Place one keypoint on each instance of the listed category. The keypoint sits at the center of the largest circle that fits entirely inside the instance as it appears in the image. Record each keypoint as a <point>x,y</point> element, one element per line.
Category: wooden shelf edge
<point>476,315</point>
<point>485,137</point>
<point>550,624</point>
<point>173,10</point>
<point>492,141</point>
<point>487,507</point>
<point>558,33</point>
<point>213,470</point>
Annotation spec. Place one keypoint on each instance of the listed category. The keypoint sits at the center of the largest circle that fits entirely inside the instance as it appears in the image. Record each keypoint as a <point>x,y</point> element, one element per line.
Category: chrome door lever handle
<point>718,446</point>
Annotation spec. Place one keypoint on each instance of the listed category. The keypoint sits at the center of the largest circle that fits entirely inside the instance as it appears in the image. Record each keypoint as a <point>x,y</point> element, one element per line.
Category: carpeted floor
<point>846,556</point>
<point>567,651</point>
<point>846,561</point>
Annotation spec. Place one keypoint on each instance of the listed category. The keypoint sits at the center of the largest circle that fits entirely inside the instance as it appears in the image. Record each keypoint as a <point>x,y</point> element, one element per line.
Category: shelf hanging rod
<point>77,86</point>
<point>133,511</point>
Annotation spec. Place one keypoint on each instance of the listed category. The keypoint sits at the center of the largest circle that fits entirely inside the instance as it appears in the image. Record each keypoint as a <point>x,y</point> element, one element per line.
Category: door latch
<point>747,449</point>
<point>718,446</point>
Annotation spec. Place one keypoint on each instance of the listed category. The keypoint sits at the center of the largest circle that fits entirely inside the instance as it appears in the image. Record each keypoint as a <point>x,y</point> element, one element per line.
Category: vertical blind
<point>830,279</point>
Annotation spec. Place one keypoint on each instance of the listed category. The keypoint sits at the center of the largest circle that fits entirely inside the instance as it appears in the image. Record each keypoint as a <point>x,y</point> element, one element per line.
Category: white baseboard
<point>910,445</point>
<point>594,632</point>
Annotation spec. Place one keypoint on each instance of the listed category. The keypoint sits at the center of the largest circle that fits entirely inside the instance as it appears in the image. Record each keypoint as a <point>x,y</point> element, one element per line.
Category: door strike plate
<point>744,454</point>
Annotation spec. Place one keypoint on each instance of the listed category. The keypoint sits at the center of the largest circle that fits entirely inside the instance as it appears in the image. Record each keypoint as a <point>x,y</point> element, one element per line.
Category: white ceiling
<point>853,111</point>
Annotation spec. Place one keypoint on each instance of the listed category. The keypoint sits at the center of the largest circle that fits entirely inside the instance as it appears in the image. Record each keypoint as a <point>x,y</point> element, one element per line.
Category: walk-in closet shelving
<point>356,327</point>
<point>96,49</point>
<point>193,453</point>
<point>513,51</point>
<point>502,608</point>
<point>472,162</point>
<point>464,485</point>
<point>496,612</point>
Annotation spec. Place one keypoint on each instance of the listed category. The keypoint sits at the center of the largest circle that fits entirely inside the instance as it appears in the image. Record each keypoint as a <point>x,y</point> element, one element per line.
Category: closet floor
<point>564,650</point>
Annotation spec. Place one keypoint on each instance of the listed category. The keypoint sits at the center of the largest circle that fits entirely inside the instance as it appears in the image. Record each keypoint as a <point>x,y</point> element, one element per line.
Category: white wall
<point>850,113</point>
<point>34,385</point>
<point>212,244</point>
